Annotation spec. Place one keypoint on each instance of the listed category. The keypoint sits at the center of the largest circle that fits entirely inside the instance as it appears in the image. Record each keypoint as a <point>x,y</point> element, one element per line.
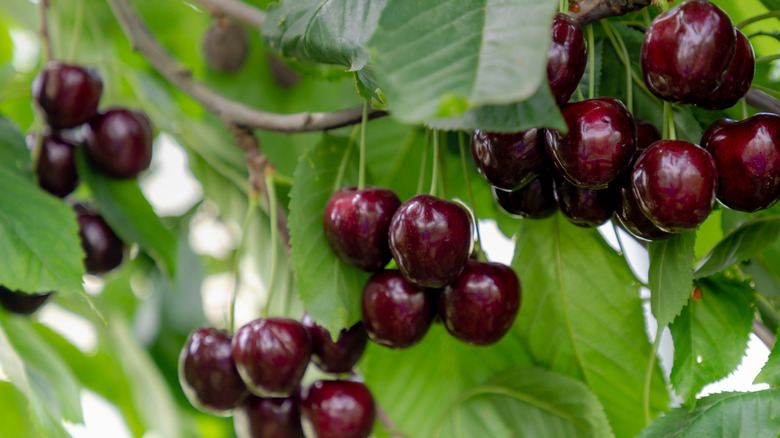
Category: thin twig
<point>763,333</point>
<point>387,423</point>
<point>236,10</point>
<point>591,11</point>
<point>43,30</point>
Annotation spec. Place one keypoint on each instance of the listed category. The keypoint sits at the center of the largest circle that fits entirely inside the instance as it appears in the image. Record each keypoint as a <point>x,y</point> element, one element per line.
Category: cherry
<point>104,250</point>
<point>22,303</point>
<point>119,142</point>
<point>271,355</point>
<point>747,155</point>
<point>68,94</point>
<point>533,201</point>
<point>738,78</point>
<point>56,166</point>
<point>481,305</point>
<point>207,372</point>
<point>226,46</point>
<point>599,145</point>
<point>356,223</point>
<point>338,409</point>
<point>430,239</point>
<point>674,183</point>
<point>630,217</point>
<point>646,134</point>
<point>566,59</point>
<point>585,207</point>
<point>261,417</point>
<point>509,161</point>
<point>687,50</point>
<point>396,313</point>
<point>335,357</point>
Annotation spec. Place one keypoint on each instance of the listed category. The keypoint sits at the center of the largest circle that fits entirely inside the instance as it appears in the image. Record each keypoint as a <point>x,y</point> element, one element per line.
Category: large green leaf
<point>14,155</point>
<point>770,373</point>
<point>729,414</point>
<point>671,276</point>
<point>749,238</point>
<point>582,316</point>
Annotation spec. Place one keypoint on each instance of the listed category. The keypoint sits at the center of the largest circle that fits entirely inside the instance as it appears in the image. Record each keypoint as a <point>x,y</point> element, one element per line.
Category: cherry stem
<point>435,172</point>
<point>669,132</point>
<point>77,25</point>
<point>620,47</point>
<point>649,374</point>
<point>43,30</point>
<point>464,168</point>
<point>423,165</point>
<point>770,14</point>
<point>580,96</point>
<point>345,160</point>
<point>562,6</point>
<point>663,4</point>
<point>767,33</point>
<point>744,108</point>
<point>251,207</point>
<point>269,184</point>
<point>769,58</point>
<point>362,170</point>
<point>591,63</point>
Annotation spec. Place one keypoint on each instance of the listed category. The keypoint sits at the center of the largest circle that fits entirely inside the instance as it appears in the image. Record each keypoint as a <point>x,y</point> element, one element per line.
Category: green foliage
<point>671,276</point>
<point>749,238</point>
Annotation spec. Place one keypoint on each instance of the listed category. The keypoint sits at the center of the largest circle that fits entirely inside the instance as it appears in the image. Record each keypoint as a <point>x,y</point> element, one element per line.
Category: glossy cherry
<point>22,303</point>
<point>535,200</point>
<point>646,134</point>
<point>585,207</point>
<point>56,166</point>
<point>338,409</point>
<point>566,59</point>
<point>430,239</point>
<point>630,217</point>
<point>261,417</point>
<point>396,313</point>
<point>104,250</point>
<point>674,183</point>
<point>747,155</point>
<point>738,78</point>
<point>509,161</point>
<point>599,145</point>
<point>119,142</point>
<point>68,94</point>
<point>339,356</point>
<point>687,50</point>
<point>271,355</point>
<point>207,372</point>
<point>356,224</point>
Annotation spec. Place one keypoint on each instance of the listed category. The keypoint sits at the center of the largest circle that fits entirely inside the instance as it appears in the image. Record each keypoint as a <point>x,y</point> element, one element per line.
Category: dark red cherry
<point>356,223</point>
<point>335,357</point>
<point>56,166</point>
<point>481,305</point>
<point>599,145</point>
<point>104,250</point>
<point>396,313</point>
<point>338,409</point>
<point>747,155</point>
<point>687,50</point>
<point>630,217</point>
<point>566,58</point>
<point>585,207</point>
<point>261,417</point>
<point>207,372</point>
<point>674,183</point>
<point>430,239</point>
<point>271,355</point>
<point>22,303</point>
<point>738,78</point>
<point>646,134</point>
<point>509,161</point>
<point>535,200</point>
<point>119,142</point>
<point>67,94</point>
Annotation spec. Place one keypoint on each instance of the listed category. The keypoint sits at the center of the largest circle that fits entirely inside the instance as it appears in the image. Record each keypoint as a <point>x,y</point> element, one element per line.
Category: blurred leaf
<point>749,238</point>
<point>671,276</point>
<point>14,413</point>
<point>772,5</point>
<point>14,155</point>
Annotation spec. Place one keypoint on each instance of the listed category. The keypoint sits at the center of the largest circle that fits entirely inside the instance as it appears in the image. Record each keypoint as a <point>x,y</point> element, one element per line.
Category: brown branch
<point>236,10</point>
<point>763,333</point>
<point>591,11</point>
<point>762,101</point>
<point>43,30</point>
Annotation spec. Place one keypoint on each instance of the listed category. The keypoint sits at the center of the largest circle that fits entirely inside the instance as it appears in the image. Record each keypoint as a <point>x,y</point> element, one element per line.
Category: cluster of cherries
<point>118,142</point>
<point>610,164</point>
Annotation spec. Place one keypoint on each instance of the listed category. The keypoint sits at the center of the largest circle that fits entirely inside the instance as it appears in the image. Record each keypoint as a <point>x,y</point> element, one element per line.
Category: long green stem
<point>591,63</point>
<point>345,159</point>
<point>423,165</point>
<point>744,108</point>
<point>435,172</point>
<point>769,58</point>
<point>770,14</point>
<point>43,30</point>
<point>464,168</point>
<point>562,6</point>
<point>766,90</point>
<point>362,170</point>
<point>272,211</point>
<point>251,207</point>
<point>624,56</point>
<point>77,25</point>
<point>672,135</point>
<point>649,375</point>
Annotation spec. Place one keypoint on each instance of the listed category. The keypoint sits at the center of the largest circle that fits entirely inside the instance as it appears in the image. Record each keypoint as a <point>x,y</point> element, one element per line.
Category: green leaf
<point>711,333</point>
<point>581,316</point>
<point>671,276</point>
<point>770,373</point>
<point>14,155</point>
<point>749,238</point>
<point>772,5</point>
<point>729,414</point>
<point>438,58</point>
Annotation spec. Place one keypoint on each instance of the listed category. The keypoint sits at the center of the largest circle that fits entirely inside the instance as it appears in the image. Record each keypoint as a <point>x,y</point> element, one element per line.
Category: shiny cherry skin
<point>430,239</point>
<point>339,356</point>
<point>337,409</point>
<point>674,183</point>
<point>599,145</point>
<point>22,303</point>
<point>481,305</point>
<point>738,78</point>
<point>271,355</point>
<point>396,313</point>
<point>207,372</point>
<point>687,50</point>
<point>56,166</point>
<point>566,58</point>
<point>68,94</point>
<point>261,417</point>
<point>585,207</point>
<point>630,218</point>
<point>509,161</point>
<point>356,224</point>
<point>119,142</point>
<point>104,250</point>
<point>747,155</point>
<point>535,200</point>
<point>646,134</point>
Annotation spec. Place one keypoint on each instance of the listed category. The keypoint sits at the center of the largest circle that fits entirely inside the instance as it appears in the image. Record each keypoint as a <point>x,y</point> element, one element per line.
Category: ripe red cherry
<point>356,224</point>
<point>22,303</point>
<point>646,134</point>
<point>630,217</point>
<point>271,355</point>
<point>481,305</point>
<point>585,207</point>
<point>67,94</point>
<point>738,78</point>
<point>119,142</point>
<point>599,145</point>
<point>747,155</point>
<point>535,200</point>
<point>396,313</point>
<point>338,409</point>
<point>207,372</point>
<point>56,166</point>
<point>687,50</point>
<point>566,58</point>
<point>674,183</point>
<point>430,239</point>
<point>335,357</point>
<point>261,417</point>
<point>104,250</point>
<point>509,161</point>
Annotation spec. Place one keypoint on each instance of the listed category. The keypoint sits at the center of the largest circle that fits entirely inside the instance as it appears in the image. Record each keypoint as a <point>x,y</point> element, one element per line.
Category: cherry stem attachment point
<point>435,172</point>
<point>251,207</point>
<point>362,169</point>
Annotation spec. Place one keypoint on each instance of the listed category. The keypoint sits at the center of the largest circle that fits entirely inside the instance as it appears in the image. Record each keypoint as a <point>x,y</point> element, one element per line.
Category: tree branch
<point>763,333</point>
<point>591,11</point>
<point>236,10</point>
